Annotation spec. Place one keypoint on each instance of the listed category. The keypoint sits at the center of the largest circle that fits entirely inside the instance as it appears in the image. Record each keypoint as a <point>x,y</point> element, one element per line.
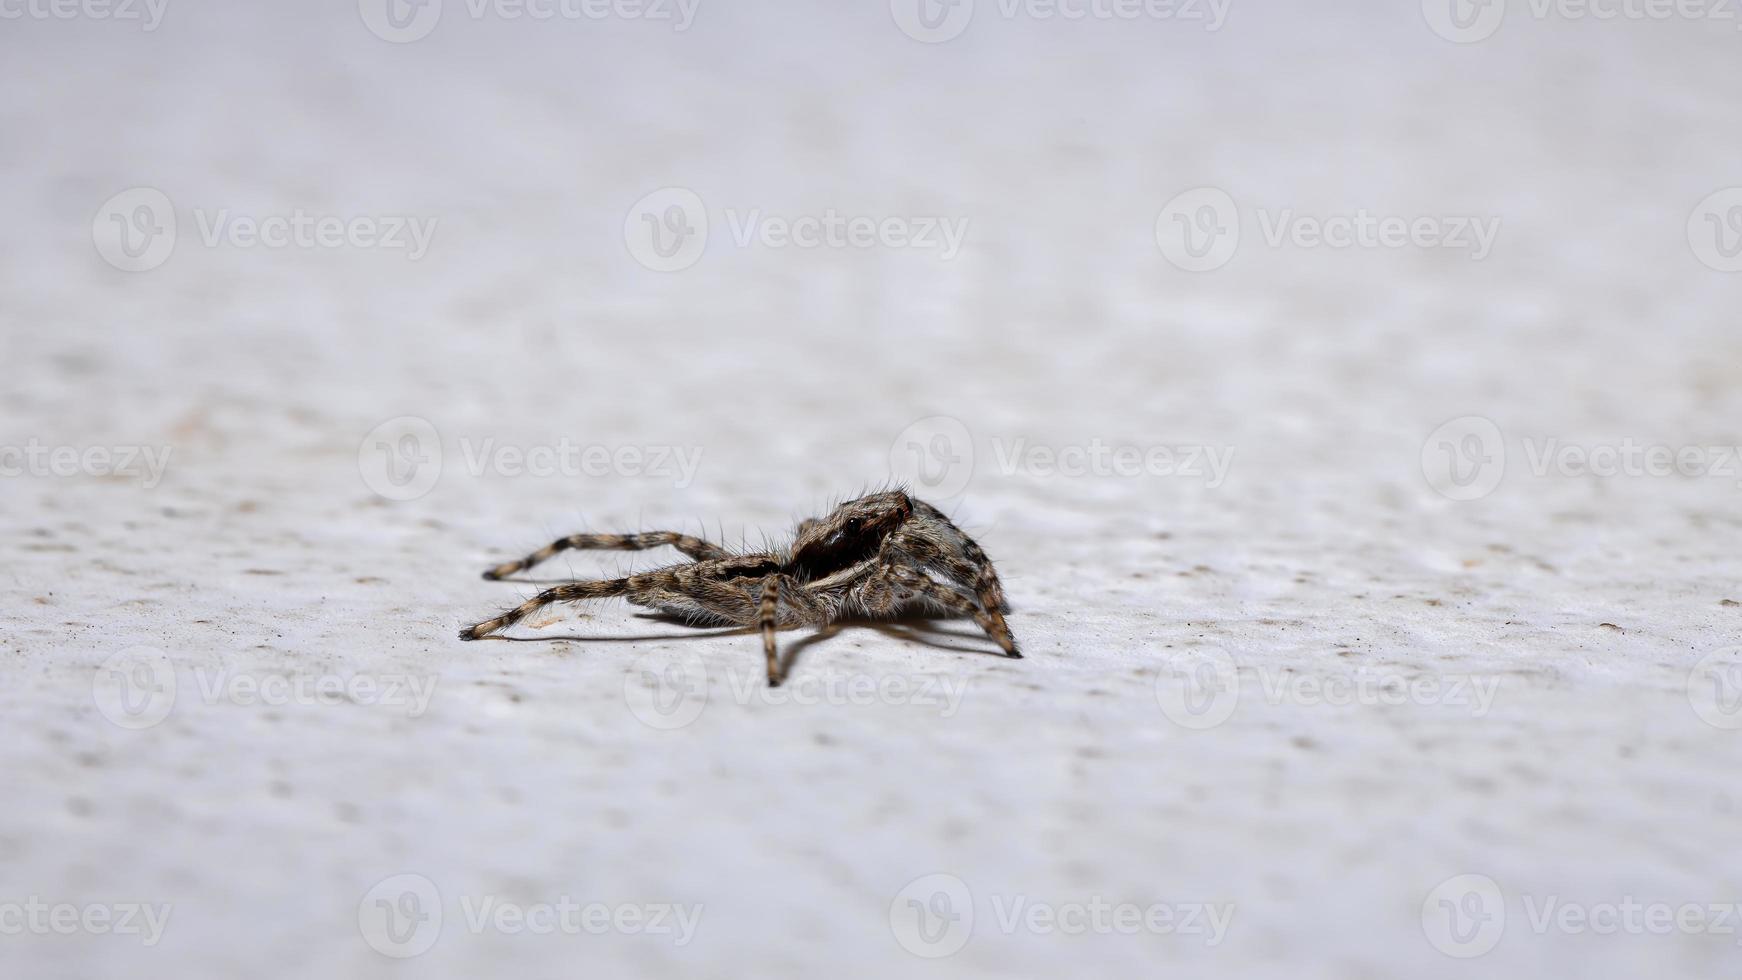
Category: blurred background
<point>1346,393</point>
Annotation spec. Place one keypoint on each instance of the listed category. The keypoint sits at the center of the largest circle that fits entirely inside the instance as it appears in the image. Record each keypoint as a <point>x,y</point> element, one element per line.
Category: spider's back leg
<point>718,611</point>
<point>573,592</point>
<point>692,546</point>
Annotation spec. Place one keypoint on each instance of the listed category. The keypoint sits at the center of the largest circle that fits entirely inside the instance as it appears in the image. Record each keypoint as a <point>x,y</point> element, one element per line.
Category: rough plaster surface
<point>1580,605</point>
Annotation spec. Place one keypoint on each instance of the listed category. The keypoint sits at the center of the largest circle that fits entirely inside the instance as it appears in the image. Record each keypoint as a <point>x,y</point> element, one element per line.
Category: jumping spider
<point>881,556</point>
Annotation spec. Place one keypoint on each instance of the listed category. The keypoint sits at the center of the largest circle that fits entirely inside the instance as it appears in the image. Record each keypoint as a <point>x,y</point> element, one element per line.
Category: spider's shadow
<point>922,630</point>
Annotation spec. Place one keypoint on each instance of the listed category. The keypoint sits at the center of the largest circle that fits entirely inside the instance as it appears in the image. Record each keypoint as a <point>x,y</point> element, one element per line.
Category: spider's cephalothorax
<point>880,556</point>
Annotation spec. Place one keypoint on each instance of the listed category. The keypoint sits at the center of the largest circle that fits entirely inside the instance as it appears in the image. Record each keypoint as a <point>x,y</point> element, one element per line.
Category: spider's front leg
<point>986,584</point>
<point>959,557</point>
<point>802,606</point>
<point>694,547</point>
<point>989,619</point>
<point>573,592</point>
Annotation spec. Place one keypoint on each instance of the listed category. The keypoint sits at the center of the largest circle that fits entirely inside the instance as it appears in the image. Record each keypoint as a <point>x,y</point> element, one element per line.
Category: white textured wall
<point>1582,606</point>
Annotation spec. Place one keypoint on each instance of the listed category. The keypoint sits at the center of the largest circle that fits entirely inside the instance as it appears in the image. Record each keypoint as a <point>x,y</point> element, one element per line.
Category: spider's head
<point>850,534</point>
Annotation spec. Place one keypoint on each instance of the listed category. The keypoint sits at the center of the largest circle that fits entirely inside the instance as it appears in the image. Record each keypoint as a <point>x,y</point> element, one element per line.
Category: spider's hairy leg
<point>786,599</point>
<point>692,546</point>
<point>573,592</point>
<point>988,619</point>
<point>963,557</point>
<point>986,585</point>
<point>972,569</point>
<point>765,618</point>
<point>709,592</point>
